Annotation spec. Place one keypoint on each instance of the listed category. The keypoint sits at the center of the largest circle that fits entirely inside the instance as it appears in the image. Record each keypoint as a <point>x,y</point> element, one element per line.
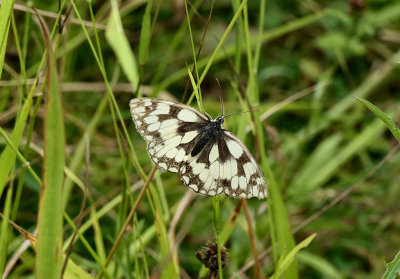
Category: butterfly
<point>209,159</point>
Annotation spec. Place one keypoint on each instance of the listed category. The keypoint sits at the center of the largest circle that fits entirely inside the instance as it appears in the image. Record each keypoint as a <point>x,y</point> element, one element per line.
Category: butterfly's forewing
<point>223,165</point>
<point>169,127</point>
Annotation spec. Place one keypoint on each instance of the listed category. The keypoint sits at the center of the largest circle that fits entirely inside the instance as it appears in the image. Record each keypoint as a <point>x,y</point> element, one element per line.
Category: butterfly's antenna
<point>239,113</point>
<point>206,114</point>
<point>220,97</point>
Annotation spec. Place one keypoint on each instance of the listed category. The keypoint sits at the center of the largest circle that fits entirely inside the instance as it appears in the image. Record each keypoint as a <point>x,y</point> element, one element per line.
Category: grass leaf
<point>346,152</point>
<point>284,264</point>
<point>117,39</point>
<point>383,116</point>
<point>6,8</point>
<point>326,269</point>
<point>145,34</point>
<point>50,220</point>
<point>7,157</point>
<point>392,268</point>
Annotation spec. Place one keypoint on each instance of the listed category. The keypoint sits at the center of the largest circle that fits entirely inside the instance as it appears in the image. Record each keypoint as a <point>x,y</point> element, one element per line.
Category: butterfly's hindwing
<point>225,166</point>
<point>209,159</point>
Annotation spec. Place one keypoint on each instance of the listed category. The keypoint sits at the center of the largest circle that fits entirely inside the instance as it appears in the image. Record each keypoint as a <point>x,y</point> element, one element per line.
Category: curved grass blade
<point>285,262</point>
<point>323,266</point>
<point>383,116</point>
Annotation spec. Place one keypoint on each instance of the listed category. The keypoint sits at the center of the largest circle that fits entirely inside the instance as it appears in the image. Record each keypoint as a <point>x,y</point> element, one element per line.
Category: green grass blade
<point>6,8</point>
<point>213,56</point>
<point>119,43</point>
<point>74,271</point>
<point>392,268</point>
<point>285,263</point>
<point>193,50</point>
<point>217,225</point>
<point>50,220</point>
<point>231,49</point>
<point>325,268</point>
<point>169,52</point>
<point>195,91</point>
<point>145,34</point>
<point>383,116</point>
<point>7,157</point>
<point>322,154</point>
<point>5,232</point>
<point>327,170</point>
<point>281,235</point>
<point>76,162</point>
<point>20,156</point>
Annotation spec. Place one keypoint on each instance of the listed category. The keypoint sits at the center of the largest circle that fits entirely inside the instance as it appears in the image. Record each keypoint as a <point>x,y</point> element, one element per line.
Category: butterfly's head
<point>219,120</point>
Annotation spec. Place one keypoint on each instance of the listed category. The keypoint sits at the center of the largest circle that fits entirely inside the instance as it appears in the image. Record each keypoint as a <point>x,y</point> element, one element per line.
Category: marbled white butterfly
<point>209,159</point>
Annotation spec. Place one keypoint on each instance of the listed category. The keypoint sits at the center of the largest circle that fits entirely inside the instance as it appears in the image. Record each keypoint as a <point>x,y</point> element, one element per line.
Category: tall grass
<point>331,169</point>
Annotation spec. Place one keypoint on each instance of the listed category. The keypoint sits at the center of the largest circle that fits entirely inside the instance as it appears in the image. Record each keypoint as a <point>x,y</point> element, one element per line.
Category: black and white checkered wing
<point>209,159</point>
<point>225,166</point>
<point>169,127</point>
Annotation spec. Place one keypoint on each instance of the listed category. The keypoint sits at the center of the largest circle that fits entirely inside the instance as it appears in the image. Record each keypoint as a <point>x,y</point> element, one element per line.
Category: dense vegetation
<point>71,157</point>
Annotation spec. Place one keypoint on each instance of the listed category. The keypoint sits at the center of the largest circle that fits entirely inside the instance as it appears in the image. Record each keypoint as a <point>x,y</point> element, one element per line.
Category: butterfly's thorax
<point>211,131</point>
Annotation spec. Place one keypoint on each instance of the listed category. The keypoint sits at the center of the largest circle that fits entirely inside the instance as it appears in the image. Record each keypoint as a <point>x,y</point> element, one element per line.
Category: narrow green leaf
<point>169,269</point>
<point>20,156</point>
<point>196,91</point>
<point>5,232</point>
<point>284,264</point>
<point>383,116</point>
<point>76,161</point>
<point>7,157</point>
<point>392,268</point>
<point>50,221</point>
<point>6,8</point>
<point>323,266</point>
<point>320,156</point>
<point>74,271</point>
<point>145,34</point>
<point>217,225</point>
<point>327,170</point>
<point>116,38</point>
<point>193,49</point>
<point>280,225</point>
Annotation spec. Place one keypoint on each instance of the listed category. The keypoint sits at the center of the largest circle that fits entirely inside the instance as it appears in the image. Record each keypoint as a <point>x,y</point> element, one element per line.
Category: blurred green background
<point>333,160</point>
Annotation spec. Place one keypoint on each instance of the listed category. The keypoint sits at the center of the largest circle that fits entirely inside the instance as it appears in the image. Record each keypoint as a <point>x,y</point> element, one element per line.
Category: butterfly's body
<point>209,159</point>
<point>211,131</point>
